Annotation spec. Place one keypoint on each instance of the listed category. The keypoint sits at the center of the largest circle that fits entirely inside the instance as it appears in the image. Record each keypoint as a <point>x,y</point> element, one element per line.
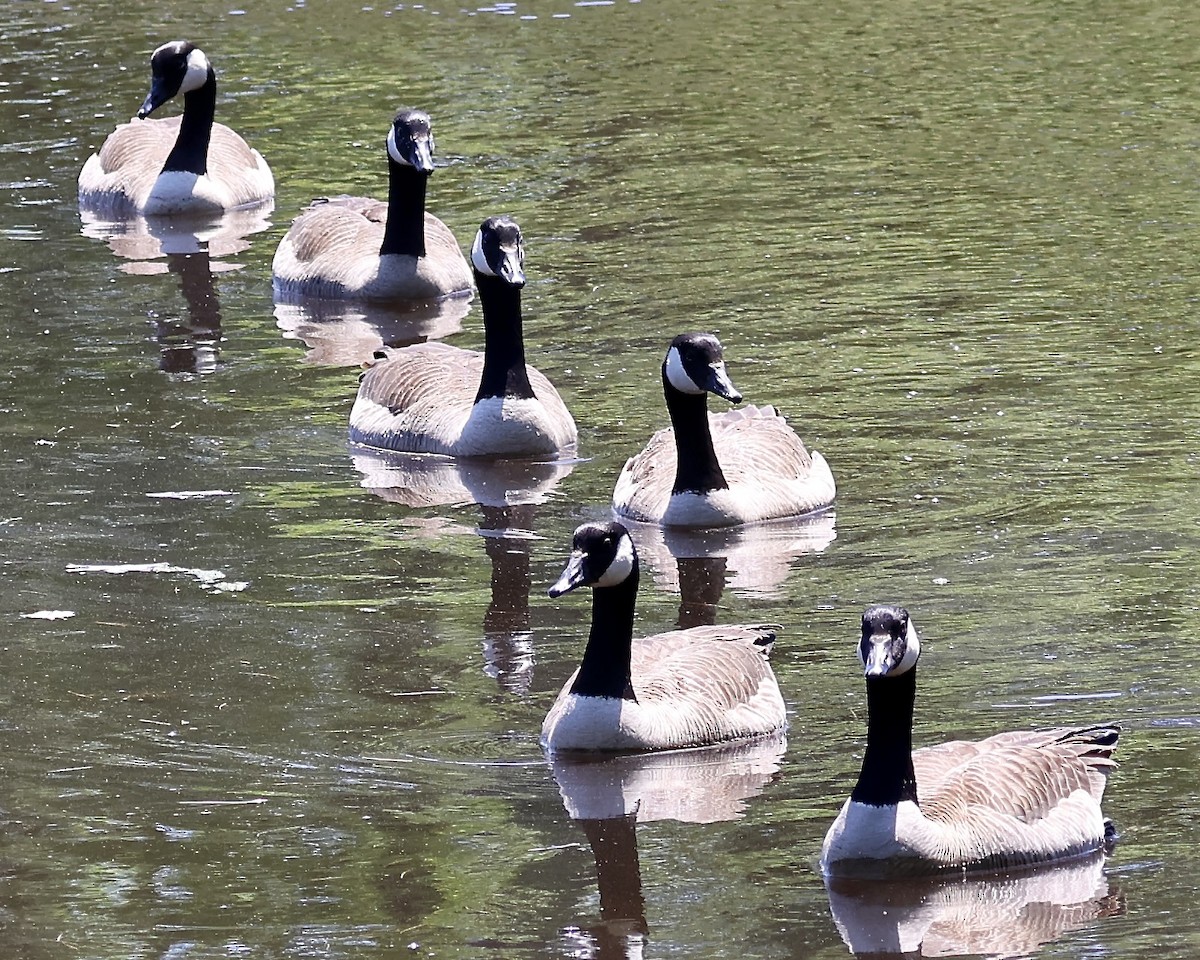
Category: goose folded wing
<point>228,151</point>
<point>331,226</point>
<point>715,669</point>
<point>645,483</point>
<point>140,145</point>
<point>420,377</point>
<point>1023,782</point>
<point>756,443</point>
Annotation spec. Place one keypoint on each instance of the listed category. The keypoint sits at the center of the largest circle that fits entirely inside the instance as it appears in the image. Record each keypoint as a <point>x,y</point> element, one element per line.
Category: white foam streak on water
<point>214,579</point>
<point>190,494</point>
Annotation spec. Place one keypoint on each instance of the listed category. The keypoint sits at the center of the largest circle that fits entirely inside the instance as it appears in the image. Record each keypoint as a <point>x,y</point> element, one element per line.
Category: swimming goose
<point>1011,800</point>
<point>686,688</point>
<point>181,165</point>
<point>356,248</point>
<point>718,470</point>
<point>435,398</point>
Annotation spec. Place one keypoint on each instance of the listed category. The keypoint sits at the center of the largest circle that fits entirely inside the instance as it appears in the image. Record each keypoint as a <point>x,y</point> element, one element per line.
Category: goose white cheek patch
<point>677,376</point>
<point>197,72</point>
<point>393,150</point>
<point>621,566</point>
<point>478,260</point>
<point>912,650</point>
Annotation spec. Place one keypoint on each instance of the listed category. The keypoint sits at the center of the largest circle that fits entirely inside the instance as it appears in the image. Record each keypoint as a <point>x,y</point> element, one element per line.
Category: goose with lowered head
<point>685,688</point>
<point>1012,800</point>
<point>718,470</point>
<point>436,398</point>
<point>182,166</point>
<point>356,248</point>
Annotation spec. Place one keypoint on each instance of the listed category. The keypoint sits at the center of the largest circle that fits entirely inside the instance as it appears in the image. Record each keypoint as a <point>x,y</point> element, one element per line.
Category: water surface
<point>255,706</point>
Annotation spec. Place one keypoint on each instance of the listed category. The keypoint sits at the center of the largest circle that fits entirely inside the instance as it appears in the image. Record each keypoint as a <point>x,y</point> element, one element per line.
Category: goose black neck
<point>887,775</point>
<point>605,670</point>
<point>696,470</point>
<point>504,372</point>
<point>405,230</point>
<point>190,153</point>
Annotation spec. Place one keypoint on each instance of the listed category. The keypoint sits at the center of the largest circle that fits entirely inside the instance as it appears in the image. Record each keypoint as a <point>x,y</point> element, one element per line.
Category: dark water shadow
<point>193,250</point>
<point>1007,915</point>
<point>754,560</point>
<point>507,638</point>
<point>608,796</point>
<point>508,493</point>
<point>347,334</point>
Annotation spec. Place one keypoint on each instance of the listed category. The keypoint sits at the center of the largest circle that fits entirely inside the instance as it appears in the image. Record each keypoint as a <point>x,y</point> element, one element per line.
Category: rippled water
<point>257,703</point>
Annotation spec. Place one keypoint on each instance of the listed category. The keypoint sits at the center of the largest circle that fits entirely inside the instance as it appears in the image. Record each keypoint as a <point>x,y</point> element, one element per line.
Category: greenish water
<point>954,242</point>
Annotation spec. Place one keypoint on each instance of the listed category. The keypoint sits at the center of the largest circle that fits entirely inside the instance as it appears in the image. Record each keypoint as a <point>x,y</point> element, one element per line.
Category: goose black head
<point>602,555</point>
<point>176,67</point>
<point>889,645</point>
<point>410,140</point>
<point>499,250</point>
<point>695,364</point>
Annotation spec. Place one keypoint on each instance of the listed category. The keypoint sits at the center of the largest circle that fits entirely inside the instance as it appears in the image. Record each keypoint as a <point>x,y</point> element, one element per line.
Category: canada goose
<point>1011,800</point>
<point>686,688</point>
<point>424,398</point>
<point>718,470</point>
<point>356,248</point>
<point>181,165</point>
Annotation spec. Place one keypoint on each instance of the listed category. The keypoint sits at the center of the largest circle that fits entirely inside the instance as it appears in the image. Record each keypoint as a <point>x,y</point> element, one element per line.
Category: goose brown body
<point>684,688</point>
<point>769,471</point>
<point>358,248</point>
<point>1011,800</point>
<point>332,251</point>
<point>718,470</point>
<point>184,165</point>
<point>422,399</point>
<point>436,398</point>
<point>691,687</point>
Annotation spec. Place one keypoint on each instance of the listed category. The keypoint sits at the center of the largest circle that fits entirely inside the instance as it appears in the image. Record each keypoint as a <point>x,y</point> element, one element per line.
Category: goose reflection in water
<point>609,795</point>
<point>193,250</point>
<point>346,334</point>
<point>508,493</point>
<point>1003,915</point>
<point>752,559</point>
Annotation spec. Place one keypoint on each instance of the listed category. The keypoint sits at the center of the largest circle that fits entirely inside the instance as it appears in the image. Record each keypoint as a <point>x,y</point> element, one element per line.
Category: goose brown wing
<point>140,145</point>
<point>643,488</point>
<point>228,152</point>
<point>334,225</point>
<point>756,445</point>
<point>374,210</point>
<point>436,375</point>
<point>439,241</point>
<point>444,263</point>
<point>1020,781</point>
<point>1091,747</point>
<point>716,668</point>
